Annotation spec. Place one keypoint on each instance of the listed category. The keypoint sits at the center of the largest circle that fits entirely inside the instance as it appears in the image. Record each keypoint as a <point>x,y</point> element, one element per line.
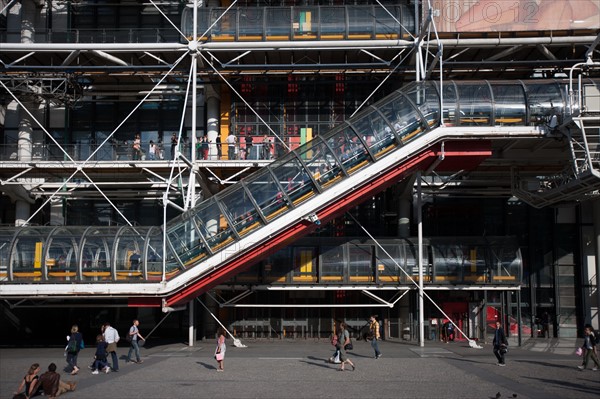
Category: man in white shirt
<point>231,140</point>
<point>111,337</point>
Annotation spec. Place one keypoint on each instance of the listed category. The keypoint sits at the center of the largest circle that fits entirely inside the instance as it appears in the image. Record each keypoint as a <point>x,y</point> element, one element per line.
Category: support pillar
<point>209,323</point>
<point>192,323</point>
<point>405,197</point>
<point>420,262</point>
<point>212,120</point>
<point>595,308</point>
<point>24,154</point>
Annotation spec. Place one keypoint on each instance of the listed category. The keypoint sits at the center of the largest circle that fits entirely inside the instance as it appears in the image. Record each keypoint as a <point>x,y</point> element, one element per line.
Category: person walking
<point>133,338</point>
<point>73,347</point>
<point>500,344</point>
<point>111,336</point>
<point>29,384</point>
<point>375,335</point>
<point>343,340</point>
<point>100,361</point>
<point>52,386</point>
<point>589,347</point>
<point>220,350</point>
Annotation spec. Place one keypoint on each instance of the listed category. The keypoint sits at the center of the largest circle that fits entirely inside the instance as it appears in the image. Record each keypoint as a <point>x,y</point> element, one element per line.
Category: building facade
<point>120,116</point>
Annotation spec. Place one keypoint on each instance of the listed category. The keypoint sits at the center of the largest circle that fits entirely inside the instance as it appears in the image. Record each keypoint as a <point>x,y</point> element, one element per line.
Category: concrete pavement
<point>299,369</point>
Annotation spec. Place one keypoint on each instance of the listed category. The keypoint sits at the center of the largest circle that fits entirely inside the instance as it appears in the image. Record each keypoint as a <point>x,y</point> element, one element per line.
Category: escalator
<point>407,131</point>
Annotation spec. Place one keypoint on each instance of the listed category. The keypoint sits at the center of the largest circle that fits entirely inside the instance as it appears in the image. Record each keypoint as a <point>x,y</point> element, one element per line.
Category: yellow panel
<point>37,260</point>
<point>473,260</point>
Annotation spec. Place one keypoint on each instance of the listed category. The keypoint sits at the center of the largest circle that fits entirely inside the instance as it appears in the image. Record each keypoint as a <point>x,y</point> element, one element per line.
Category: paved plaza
<point>299,369</point>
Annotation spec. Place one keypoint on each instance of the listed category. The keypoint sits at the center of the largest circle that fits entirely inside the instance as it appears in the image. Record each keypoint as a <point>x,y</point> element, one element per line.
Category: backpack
<point>596,337</point>
<point>334,340</point>
<point>72,345</point>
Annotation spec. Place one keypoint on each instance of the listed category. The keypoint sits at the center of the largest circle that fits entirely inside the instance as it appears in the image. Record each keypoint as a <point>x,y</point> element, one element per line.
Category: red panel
<point>141,302</point>
<point>463,151</point>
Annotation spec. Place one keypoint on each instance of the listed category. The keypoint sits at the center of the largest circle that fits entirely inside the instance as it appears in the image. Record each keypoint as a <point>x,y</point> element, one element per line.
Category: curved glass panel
<point>425,96</point>
<point>226,25</point>
<point>387,269</point>
<point>332,264</point>
<point>319,160</point>
<point>27,251</point>
<point>6,236</point>
<point>509,104</point>
<point>376,132</point>
<point>386,25</point>
<point>153,253</point>
<point>354,153</point>
<point>267,194</point>
<point>251,23</point>
<point>240,209</point>
<point>129,245</point>
<point>505,260</point>
<point>278,23</point>
<point>360,267</point>
<point>292,176</point>
<point>332,23</point>
<point>62,253</point>
<point>213,225</point>
<point>450,104</point>
<point>406,121</point>
<point>186,242</point>
<point>360,22</point>
<point>475,99</point>
<point>96,249</point>
<point>545,102</point>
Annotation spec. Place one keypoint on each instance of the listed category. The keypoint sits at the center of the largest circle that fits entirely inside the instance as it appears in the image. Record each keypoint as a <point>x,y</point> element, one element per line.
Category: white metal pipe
<point>291,45</point>
<point>421,265</point>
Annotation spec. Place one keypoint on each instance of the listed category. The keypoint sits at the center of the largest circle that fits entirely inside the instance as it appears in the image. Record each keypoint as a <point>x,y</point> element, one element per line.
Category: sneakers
<point>107,370</point>
<point>595,369</point>
<point>501,364</point>
<point>581,367</point>
<point>378,356</point>
<point>95,372</point>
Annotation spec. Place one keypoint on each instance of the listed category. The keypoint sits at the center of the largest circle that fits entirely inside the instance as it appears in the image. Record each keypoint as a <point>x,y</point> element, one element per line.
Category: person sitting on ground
<point>29,384</point>
<point>51,384</point>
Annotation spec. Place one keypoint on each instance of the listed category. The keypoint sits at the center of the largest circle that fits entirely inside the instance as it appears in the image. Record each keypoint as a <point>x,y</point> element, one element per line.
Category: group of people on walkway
<point>50,384</point>
<point>342,342</point>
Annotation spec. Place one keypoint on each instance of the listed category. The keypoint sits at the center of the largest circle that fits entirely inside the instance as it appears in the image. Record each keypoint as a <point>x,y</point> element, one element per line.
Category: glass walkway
<point>251,220</point>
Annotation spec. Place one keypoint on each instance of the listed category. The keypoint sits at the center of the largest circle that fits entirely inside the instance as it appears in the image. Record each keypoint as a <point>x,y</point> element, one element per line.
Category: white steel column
<point>24,154</point>
<point>421,265</point>
<point>594,313</point>
<point>212,119</point>
<point>192,324</point>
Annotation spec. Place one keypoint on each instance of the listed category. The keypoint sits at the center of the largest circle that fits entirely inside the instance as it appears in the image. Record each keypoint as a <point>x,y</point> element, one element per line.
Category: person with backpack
<point>590,341</point>
<point>74,345</point>
<point>133,337</point>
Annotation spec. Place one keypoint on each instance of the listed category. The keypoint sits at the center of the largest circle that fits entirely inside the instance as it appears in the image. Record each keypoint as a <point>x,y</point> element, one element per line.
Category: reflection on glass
<point>475,103</point>
<point>509,101</point>
<point>332,264</point>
